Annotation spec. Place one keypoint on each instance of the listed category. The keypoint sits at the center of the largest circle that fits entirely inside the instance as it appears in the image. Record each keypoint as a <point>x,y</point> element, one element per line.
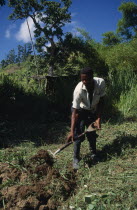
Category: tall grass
<point>128,102</point>
<point>121,92</point>
<point>121,96</point>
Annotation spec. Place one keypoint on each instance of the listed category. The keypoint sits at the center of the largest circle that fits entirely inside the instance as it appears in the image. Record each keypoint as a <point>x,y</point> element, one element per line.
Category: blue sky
<point>94,16</point>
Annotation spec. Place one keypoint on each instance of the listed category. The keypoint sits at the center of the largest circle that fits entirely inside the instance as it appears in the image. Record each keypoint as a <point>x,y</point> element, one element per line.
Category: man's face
<point>86,79</point>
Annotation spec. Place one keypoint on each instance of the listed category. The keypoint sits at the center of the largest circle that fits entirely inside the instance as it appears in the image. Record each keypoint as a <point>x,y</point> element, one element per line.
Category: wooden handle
<point>67,144</point>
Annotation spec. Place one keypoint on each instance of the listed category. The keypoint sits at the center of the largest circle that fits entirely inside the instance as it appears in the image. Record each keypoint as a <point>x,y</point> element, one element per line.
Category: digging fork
<point>90,128</point>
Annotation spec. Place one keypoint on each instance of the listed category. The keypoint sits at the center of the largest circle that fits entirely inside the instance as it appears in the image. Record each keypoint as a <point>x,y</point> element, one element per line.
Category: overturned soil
<point>35,184</point>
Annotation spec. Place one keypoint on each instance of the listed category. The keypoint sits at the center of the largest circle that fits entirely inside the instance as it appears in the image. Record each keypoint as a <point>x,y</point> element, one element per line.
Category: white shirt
<point>81,96</point>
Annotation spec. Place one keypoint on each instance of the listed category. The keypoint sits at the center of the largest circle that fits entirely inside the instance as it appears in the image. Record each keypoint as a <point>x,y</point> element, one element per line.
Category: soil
<point>35,185</point>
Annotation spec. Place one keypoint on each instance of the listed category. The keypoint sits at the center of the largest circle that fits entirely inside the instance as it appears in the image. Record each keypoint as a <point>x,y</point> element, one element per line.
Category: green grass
<point>110,184</point>
<point>128,101</point>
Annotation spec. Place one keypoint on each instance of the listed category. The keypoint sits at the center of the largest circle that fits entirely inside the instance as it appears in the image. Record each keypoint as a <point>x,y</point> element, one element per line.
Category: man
<point>87,107</point>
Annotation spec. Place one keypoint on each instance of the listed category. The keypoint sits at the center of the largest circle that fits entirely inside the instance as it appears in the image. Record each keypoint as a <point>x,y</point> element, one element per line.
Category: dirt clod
<point>43,156</point>
<point>40,186</point>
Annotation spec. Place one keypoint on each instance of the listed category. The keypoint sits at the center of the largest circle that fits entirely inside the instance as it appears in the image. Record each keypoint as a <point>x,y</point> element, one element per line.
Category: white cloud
<point>73,14</point>
<point>72,27</point>
<point>71,24</point>
<point>9,30</point>
<point>7,34</point>
<point>45,48</point>
<point>23,33</point>
<point>75,32</point>
<point>27,29</point>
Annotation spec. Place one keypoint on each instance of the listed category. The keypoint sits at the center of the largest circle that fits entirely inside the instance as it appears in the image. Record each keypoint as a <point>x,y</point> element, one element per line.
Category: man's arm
<point>99,112</point>
<point>74,117</point>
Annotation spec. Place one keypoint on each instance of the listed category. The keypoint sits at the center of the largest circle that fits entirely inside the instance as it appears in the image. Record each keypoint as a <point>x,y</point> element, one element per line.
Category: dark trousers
<point>85,118</point>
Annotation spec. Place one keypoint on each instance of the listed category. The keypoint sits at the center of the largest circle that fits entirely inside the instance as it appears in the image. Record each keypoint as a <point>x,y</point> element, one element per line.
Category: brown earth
<point>35,185</point>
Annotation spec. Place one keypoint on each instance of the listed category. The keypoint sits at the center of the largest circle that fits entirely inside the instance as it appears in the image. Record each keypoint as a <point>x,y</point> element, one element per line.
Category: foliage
<point>23,52</point>
<point>128,101</point>
<point>110,39</point>
<point>121,61</point>
<point>3,64</point>
<point>127,26</point>
<point>2,2</point>
<point>120,57</point>
<point>22,102</point>
<point>115,62</point>
<point>81,52</point>
<point>121,95</point>
<point>49,17</point>
<point>39,98</point>
<point>11,57</point>
<point>84,33</point>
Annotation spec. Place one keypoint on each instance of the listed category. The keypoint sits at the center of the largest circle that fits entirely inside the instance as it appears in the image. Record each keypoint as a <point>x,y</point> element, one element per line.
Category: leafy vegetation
<point>127,26</point>
<point>49,17</point>
<point>2,2</point>
<point>110,39</point>
<point>12,57</point>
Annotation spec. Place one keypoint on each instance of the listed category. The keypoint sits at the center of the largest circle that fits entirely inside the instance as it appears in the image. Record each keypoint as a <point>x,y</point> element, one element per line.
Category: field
<point>32,179</point>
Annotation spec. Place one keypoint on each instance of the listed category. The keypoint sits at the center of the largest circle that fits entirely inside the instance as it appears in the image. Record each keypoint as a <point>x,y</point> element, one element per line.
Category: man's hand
<point>70,137</point>
<point>97,124</point>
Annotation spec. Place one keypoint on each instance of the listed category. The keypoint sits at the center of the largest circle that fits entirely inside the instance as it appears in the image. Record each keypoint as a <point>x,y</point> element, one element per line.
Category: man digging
<point>87,107</point>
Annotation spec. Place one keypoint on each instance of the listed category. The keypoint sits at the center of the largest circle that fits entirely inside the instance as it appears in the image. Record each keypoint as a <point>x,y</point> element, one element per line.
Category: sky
<point>94,16</point>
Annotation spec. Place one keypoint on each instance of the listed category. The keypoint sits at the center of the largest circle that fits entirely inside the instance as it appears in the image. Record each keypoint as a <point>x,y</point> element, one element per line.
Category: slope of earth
<point>31,178</point>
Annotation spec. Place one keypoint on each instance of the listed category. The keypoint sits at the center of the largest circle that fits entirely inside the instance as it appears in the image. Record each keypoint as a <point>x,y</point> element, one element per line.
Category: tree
<point>20,54</point>
<point>24,52</point>
<point>2,2</point>
<point>127,26</point>
<point>84,33</point>
<point>11,57</point>
<point>28,49</point>
<point>78,52</point>
<point>49,18</point>
<point>3,64</point>
<point>110,38</point>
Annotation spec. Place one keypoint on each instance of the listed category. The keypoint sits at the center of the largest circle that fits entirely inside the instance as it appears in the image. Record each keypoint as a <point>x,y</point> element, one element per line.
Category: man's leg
<point>76,156</point>
<point>92,142</point>
<point>77,143</point>
<point>92,136</point>
<point>92,146</point>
